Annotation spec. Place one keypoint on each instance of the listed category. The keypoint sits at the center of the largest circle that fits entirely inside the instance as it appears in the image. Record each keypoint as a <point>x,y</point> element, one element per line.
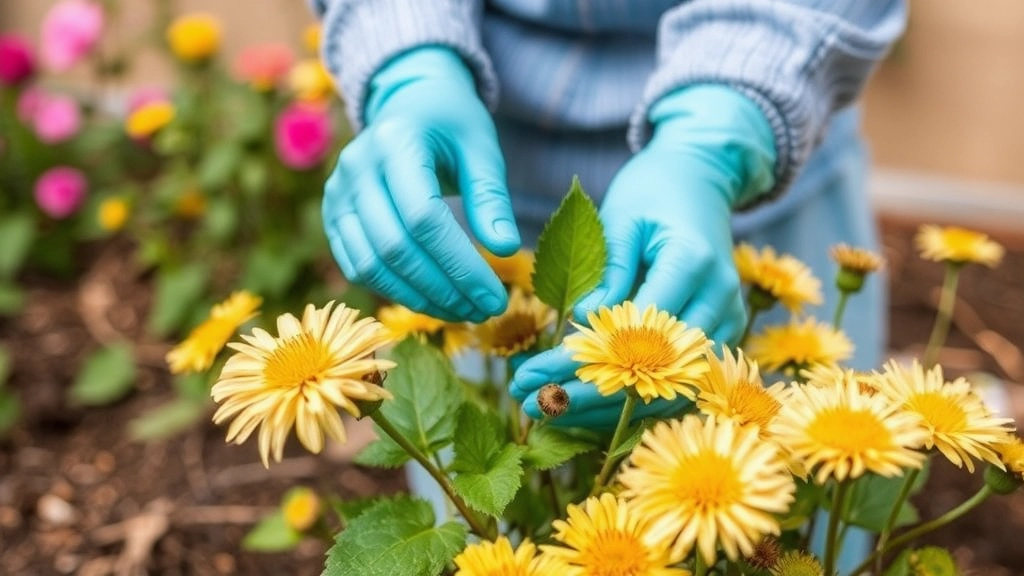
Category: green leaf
<point>16,234</point>
<point>107,376</point>
<point>167,420</point>
<point>809,496</point>
<point>382,453</point>
<point>272,534</point>
<point>270,270</point>
<point>218,164</point>
<point>178,290</point>
<point>489,469</point>
<point>635,435</point>
<point>12,298</point>
<point>548,447</point>
<point>349,510</point>
<point>5,366</point>
<point>253,177</point>
<point>10,411</point>
<point>873,497</point>
<point>395,536</point>
<point>571,253</point>
<point>221,220</point>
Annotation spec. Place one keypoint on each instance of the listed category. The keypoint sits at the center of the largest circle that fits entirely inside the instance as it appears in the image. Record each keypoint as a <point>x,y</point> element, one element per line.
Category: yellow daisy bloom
<point>705,483</point>
<point>1011,452</point>
<point>194,37</point>
<point>733,389</point>
<point>605,537</point>
<point>457,338</point>
<point>196,352</point>
<point>957,245</point>
<point>148,119</point>
<point>301,508</point>
<point>402,322</point>
<point>956,420</point>
<point>310,81</point>
<point>831,375</point>
<point>515,270</point>
<point>844,433</point>
<point>854,259</point>
<point>499,559</point>
<point>653,352</point>
<point>783,277</point>
<point>799,344</point>
<point>299,378</point>
<point>517,328</point>
<point>112,214</point>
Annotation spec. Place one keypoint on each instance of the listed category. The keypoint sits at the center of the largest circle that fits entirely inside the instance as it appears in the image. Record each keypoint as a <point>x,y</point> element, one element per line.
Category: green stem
<point>831,535</point>
<point>750,326</point>
<point>883,537</point>
<point>699,567</point>
<point>617,438</point>
<point>561,326</point>
<point>945,315</point>
<point>552,490</point>
<point>435,473</point>
<point>837,320</point>
<point>927,527</point>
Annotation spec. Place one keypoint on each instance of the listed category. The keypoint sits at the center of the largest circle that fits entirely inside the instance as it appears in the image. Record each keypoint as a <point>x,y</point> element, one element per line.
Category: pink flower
<point>70,30</point>
<point>54,117</point>
<point>60,191</point>
<point>264,65</point>
<point>29,101</point>
<point>16,60</point>
<point>302,135</point>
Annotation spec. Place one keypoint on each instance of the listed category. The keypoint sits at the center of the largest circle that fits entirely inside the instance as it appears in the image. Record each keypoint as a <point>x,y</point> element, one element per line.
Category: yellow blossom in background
<point>957,245</point>
<point>148,119</point>
<point>456,338</point>
<point>831,375</point>
<point>499,559</point>
<point>310,81</point>
<point>1011,452</point>
<point>301,508</point>
<point>517,328</point>
<point>858,260</point>
<point>783,277</point>
<point>300,378</point>
<point>194,37</point>
<point>197,351</point>
<point>311,38</point>
<point>956,420</point>
<point>112,214</point>
<point>191,204</point>
<point>732,388</point>
<point>605,537</point>
<point>799,344</point>
<point>707,483</point>
<point>843,433</point>
<point>402,322</point>
<point>653,352</point>
<point>515,270</point>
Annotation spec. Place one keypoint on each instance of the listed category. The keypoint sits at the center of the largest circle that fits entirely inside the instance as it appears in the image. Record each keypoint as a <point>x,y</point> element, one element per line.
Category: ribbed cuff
<point>360,36</point>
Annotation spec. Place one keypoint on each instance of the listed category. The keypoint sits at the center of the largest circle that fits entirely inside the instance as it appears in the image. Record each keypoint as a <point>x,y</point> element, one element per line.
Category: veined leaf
<point>489,468</point>
<point>548,447</point>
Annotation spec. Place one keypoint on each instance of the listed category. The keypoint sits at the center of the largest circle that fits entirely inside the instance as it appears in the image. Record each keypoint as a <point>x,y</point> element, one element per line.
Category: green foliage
<point>178,290</point>
<point>272,534</point>
<point>548,447</point>
<point>12,298</point>
<point>168,419</point>
<point>489,468</point>
<point>382,453</point>
<point>571,252</point>
<point>873,497</point>
<point>17,231</point>
<point>927,561</point>
<point>10,406</point>
<point>395,536</point>
<point>107,376</point>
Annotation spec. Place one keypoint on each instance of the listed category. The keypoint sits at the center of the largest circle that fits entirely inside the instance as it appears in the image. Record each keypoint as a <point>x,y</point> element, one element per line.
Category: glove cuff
<point>423,63</point>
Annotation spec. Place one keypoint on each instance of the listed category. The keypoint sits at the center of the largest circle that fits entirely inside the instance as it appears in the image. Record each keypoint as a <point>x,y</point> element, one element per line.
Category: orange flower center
<point>850,431</point>
<point>297,361</point>
<point>642,347</point>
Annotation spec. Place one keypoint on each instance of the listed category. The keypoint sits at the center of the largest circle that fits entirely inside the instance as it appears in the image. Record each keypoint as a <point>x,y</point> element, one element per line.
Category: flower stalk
<point>832,542</point>
<point>617,439</point>
<point>940,329</point>
<point>890,522</point>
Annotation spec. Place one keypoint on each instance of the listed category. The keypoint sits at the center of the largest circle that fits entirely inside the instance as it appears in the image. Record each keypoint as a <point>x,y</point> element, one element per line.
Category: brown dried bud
<point>368,407</point>
<point>553,400</point>
<point>766,555</point>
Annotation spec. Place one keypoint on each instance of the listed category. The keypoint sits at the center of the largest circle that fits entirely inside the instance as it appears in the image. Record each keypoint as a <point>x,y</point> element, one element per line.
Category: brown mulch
<point>77,496</point>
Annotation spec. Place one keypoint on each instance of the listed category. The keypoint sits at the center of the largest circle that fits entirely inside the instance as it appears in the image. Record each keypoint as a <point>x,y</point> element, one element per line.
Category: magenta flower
<point>17,63</point>
<point>60,191</point>
<point>302,135</point>
<point>54,117</point>
<point>70,31</point>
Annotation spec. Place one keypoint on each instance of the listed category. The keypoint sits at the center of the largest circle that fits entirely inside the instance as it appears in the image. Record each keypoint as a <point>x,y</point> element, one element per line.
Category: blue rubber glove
<point>667,219</point>
<point>383,211</point>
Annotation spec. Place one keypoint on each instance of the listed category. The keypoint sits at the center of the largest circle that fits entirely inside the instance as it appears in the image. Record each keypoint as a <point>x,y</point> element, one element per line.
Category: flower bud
<point>1000,481</point>
<point>553,400</point>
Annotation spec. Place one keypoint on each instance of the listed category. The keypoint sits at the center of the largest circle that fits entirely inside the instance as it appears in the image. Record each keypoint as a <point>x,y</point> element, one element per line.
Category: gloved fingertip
<point>531,408</point>
<point>505,240</point>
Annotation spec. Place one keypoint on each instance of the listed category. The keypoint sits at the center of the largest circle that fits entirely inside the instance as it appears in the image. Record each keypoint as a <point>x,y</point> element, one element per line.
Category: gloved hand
<point>667,214</point>
<point>383,211</point>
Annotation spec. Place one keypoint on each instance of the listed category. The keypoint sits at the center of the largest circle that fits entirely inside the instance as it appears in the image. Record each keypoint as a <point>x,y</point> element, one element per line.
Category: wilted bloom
<point>60,191</point>
<point>957,245</point>
<point>148,119</point>
<point>71,28</point>
<point>54,118</point>
<point>17,63</point>
<point>113,213</point>
<point>204,342</point>
<point>264,65</point>
<point>310,81</point>
<point>778,277</point>
<point>302,135</point>
<point>194,37</point>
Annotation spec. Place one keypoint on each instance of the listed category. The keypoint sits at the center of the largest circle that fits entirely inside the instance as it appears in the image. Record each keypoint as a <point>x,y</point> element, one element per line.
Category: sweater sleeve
<point>361,36</point>
<point>798,60</point>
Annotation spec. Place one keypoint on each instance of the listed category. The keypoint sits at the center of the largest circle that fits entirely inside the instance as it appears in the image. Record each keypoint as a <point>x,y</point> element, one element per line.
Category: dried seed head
<point>553,400</point>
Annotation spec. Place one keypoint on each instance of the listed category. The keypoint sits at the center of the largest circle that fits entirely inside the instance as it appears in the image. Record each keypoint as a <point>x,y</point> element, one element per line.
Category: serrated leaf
<point>382,453</point>
<point>548,447</point>
<point>107,375</point>
<point>167,420</point>
<point>489,469</point>
<point>16,234</point>
<point>571,253</point>
<point>426,393</point>
<point>349,510</point>
<point>871,500</point>
<point>272,534</point>
<point>178,290</point>
<point>395,536</point>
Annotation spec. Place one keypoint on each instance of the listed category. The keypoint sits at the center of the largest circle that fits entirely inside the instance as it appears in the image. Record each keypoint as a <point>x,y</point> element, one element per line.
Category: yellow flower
<point>498,559</point>
<point>781,276</point>
<point>194,37</point>
<point>456,338</point>
<point>844,433</point>
<point>957,245</point>
<point>605,537</point>
<point>113,213</point>
<point>797,563</point>
<point>310,81</point>
<point>854,259</point>
<point>197,351</point>
<point>831,375</point>
<point>191,204</point>
<point>654,352</point>
<point>707,482</point>
<point>1011,452</point>
<point>956,420</point>
<point>799,344</point>
<point>311,38</point>
<point>733,389</point>
<point>301,508</point>
<point>515,270</point>
<point>148,119</point>
<point>402,322</point>
<point>516,329</point>
<point>300,378</point>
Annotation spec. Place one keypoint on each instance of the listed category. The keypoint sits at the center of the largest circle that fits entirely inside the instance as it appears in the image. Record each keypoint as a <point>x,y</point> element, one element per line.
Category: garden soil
<point>79,496</point>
